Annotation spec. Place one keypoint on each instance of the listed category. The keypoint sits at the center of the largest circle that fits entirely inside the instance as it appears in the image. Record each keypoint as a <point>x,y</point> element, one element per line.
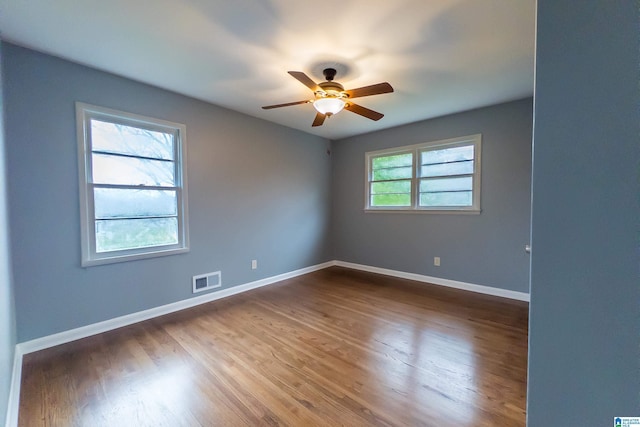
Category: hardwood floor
<point>334,347</point>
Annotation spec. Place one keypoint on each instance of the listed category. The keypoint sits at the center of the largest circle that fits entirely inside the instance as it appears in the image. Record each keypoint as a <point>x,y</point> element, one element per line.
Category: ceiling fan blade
<point>268,107</point>
<point>319,120</point>
<point>365,112</point>
<point>304,79</point>
<point>376,89</point>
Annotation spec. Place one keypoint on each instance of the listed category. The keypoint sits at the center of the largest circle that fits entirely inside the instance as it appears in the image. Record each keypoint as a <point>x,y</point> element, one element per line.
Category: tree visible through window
<point>434,176</point>
<point>132,186</point>
<point>391,180</point>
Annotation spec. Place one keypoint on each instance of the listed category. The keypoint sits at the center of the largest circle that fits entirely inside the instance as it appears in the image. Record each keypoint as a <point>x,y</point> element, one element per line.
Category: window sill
<point>132,257</point>
<point>426,211</point>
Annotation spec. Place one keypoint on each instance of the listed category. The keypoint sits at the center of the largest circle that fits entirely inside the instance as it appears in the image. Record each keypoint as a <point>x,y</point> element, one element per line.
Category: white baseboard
<point>13,406</point>
<point>504,293</point>
<point>129,319</point>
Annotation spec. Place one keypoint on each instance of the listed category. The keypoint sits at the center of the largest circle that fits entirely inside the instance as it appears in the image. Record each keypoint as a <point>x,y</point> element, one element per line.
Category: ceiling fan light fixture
<point>329,106</point>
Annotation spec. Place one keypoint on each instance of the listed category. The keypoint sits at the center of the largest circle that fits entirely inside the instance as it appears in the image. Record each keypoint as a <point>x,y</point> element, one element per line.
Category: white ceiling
<point>441,56</point>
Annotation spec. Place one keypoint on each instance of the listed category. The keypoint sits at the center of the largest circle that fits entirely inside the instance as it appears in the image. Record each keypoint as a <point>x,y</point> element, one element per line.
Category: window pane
<point>120,170</point>
<point>392,161</point>
<point>116,138</point>
<point>123,203</point>
<point>391,187</point>
<point>444,169</point>
<point>447,155</point>
<point>446,184</point>
<point>392,173</point>
<point>112,235</point>
<point>462,198</point>
<point>381,200</point>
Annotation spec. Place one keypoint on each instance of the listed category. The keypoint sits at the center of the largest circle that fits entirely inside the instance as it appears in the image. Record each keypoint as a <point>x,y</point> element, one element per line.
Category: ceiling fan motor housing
<point>330,89</point>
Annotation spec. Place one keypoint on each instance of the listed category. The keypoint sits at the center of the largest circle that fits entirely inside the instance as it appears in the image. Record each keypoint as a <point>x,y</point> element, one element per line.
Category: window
<point>133,193</point>
<point>440,176</point>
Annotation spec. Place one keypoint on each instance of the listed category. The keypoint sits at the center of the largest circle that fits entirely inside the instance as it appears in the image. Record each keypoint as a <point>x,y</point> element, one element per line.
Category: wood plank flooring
<point>334,347</point>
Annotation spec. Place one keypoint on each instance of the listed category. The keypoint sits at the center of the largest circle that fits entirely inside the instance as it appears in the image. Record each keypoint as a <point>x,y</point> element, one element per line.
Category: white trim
<point>129,319</point>
<point>13,406</point>
<point>89,255</point>
<point>424,211</point>
<point>488,290</point>
<point>415,150</point>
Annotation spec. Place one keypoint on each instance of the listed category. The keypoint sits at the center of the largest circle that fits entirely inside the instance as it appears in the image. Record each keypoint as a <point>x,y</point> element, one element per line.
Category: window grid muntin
<point>109,153</point>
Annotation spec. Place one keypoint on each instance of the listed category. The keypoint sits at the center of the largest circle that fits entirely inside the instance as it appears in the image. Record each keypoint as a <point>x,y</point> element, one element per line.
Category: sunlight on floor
<point>438,368</point>
<point>153,400</point>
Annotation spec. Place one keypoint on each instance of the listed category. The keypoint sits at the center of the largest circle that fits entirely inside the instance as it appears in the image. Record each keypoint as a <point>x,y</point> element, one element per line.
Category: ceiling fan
<point>330,97</point>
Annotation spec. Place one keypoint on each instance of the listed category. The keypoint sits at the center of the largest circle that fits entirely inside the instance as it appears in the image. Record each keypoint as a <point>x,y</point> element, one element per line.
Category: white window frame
<point>84,114</point>
<point>416,150</point>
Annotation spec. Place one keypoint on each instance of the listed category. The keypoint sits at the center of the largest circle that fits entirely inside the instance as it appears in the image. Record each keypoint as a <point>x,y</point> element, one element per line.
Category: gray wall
<point>7,313</point>
<point>256,191</point>
<point>485,249</point>
<point>584,358</point>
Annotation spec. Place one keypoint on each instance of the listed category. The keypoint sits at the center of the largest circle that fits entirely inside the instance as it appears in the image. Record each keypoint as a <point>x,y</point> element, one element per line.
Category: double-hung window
<point>133,194</point>
<point>439,176</point>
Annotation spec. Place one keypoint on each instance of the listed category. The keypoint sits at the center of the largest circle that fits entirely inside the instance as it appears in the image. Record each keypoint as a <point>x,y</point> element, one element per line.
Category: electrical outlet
<point>436,261</point>
<point>254,264</point>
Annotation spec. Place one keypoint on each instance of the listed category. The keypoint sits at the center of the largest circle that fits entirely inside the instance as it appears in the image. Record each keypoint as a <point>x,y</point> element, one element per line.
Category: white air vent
<point>204,282</point>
